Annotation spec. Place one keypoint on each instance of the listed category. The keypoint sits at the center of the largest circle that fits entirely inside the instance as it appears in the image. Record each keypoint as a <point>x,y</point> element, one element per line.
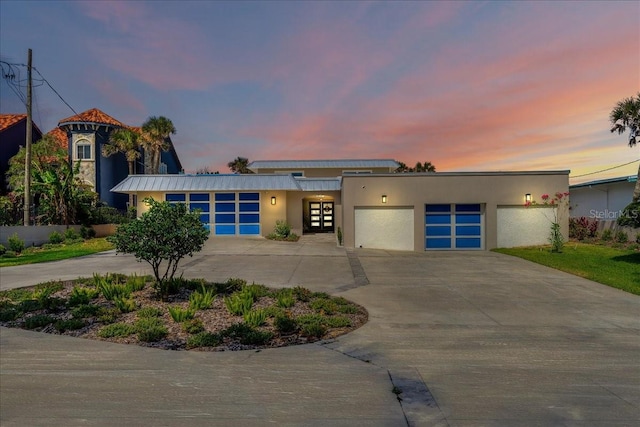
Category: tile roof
<point>93,116</point>
<point>8,120</point>
<point>324,164</point>
<point>60,136</point>
<point>170,183</point>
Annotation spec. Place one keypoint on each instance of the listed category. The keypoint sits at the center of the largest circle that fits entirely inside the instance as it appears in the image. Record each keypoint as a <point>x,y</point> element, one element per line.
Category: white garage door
<point>521,226</point>
<point>384,228</point>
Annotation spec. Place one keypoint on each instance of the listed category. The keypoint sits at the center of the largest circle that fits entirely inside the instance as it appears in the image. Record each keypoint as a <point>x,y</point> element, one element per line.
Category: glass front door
<point>321,216</point>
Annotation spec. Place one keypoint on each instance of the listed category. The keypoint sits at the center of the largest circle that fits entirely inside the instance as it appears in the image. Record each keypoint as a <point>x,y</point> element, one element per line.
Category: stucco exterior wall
<point>524,226</point>
<point>416,190</point>
<point>602,202</point>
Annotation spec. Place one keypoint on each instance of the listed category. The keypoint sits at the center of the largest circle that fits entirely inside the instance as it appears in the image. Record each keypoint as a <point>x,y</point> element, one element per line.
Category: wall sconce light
<point>527,197</point>
<point>384,198</point>
<point>273,200</point>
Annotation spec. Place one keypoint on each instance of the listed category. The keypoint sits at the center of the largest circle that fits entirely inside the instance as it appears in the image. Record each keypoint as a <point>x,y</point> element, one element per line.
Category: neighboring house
<point>13,133</point>
<point>374,207</point>
<point>603,199</point>
<point>86,133</point>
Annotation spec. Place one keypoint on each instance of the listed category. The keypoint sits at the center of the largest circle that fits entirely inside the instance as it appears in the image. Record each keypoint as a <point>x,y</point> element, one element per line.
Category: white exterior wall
<point>603,202</point>
<point>521,226</point>
<point>384,228</point>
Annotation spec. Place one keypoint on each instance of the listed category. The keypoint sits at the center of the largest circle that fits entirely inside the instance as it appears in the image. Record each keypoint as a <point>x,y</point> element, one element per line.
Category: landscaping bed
<point>193,314</point>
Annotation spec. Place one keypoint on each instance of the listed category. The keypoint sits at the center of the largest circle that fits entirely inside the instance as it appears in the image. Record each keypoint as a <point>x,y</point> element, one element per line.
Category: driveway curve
<point>466,338</point>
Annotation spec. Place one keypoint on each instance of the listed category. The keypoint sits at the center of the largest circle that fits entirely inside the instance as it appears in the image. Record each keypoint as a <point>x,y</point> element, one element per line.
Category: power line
<point>603,170</point>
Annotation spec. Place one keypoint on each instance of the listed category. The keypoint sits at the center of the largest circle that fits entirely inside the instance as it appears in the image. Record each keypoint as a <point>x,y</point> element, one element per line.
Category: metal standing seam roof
<point>242,182</point>
<point>630,178</point>
<point>323,164</point>
<point>320,184</point>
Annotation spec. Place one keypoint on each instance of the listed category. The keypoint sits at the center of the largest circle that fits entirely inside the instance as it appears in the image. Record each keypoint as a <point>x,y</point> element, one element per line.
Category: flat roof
<point>323,164</point>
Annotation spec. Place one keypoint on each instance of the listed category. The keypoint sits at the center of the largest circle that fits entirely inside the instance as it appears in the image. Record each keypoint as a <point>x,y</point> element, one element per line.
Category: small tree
<point>166,233</point>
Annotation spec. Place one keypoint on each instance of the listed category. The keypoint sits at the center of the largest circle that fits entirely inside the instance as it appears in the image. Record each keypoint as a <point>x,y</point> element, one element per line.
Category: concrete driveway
<point>469,338</point>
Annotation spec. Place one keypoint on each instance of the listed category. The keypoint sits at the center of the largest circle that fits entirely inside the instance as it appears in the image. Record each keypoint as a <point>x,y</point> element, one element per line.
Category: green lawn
<point>618,268</point>
<point>35,255</point>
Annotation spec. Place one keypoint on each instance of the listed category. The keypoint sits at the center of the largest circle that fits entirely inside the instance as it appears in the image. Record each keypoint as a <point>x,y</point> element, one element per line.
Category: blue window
<point>225,218</point>
<point>441,243</point>
<point>438,219</point>
<point>224,197</point>
<point>249,229</point>
<point>438,231</point>
<point>225,207</point>
<point>475,243</point>
<point>204,218</point>
<point>249,218</point>
<point>468,208</point>
<point>176,197</point>
<point>467,218</point>
<point>249,196</point>
<point>204,207</point>
<point>438,208</point>
<point>199,197</point>
<point>225,229</point>
<point>249,207</point>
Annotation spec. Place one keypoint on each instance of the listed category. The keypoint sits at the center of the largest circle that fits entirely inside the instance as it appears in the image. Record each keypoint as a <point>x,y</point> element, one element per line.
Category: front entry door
<point>321,216</point>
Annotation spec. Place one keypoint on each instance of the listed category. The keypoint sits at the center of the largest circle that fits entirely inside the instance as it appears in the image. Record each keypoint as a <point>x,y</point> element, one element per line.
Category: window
<point>83,150</point>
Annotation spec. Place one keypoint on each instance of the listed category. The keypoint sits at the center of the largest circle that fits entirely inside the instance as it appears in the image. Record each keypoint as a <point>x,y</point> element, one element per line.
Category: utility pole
<point>27,160</point>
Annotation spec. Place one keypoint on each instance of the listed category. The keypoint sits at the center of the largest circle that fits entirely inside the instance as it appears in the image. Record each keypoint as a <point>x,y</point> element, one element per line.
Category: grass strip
<point>37,255</point>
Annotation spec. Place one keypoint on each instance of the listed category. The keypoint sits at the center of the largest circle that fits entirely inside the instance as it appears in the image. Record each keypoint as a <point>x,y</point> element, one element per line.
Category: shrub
<point>56,238</point>
<point>325,306</point>
<point>85,310</point>
<point>3,250</point>
<point>150,329</point>
<point>117,330</point>
<point>247,335</point>
<point>29,305</point>
<point>179,314</point>
<point>68,325</point>
<point>16,244</point>
<point>313,330</point>
<point>255,318</point>
<point>282,229</point>
<point>607,235</point>
<point>238,303</point>
<point>70,234</point>
<point>162,236</point>
<point>285,324</point>
<point>230,286</point>
<point>7,314</point>
<point>38,321</point>
<point>302,294</point>
<point>9,254</point>
<point>110,288</point>
<point>87,232</point>
<point>338,322</point>
<point>630,215</point>
<point>621,237</point>
<point>125,304</point>
<point>108,315</point>
<point>347,309</point>
<point>82,295</point>
<point>149,312</point>
<point>285,298</point>
<point>582,228</point>
<point>201,300</point>
<point>256,291</point>
<point>153,334</point>
<point>193,326</point>
<point>204,339</point>
<point>136,283</point>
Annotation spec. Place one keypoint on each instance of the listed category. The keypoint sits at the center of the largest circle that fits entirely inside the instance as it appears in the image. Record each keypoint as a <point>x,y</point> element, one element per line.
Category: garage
<point>454,226</point>
<point>384,228</point>
<point>522,226</point>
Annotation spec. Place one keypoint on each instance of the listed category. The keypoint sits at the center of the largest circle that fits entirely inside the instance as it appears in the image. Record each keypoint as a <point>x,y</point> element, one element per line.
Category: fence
<point>39,234</point>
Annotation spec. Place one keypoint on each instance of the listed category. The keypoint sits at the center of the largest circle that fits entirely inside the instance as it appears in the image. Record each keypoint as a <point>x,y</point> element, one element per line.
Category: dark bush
<point>582,228</point>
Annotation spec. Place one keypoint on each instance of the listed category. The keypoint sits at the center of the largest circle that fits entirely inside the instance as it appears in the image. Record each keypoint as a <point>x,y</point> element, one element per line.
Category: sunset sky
<point>464,85</point>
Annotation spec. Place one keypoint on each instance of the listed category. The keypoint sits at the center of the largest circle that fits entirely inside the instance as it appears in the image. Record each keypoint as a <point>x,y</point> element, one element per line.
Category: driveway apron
<point>453,338</point>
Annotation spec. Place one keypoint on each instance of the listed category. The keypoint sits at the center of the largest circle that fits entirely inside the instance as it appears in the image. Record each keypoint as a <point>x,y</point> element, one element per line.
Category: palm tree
<point>126,141</point>
<point>425,167</point>
<point>240,165</point>
<point>626,115</point>
<point>155,136</point>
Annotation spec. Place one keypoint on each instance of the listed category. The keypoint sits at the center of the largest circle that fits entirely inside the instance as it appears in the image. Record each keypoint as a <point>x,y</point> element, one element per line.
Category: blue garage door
<point>237,214</point>
<point>197,201</point>
<point>453,226</point>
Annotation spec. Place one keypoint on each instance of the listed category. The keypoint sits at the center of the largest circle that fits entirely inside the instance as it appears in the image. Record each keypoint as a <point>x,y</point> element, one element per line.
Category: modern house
<point>373,207</point>
<point>13,131</point>
<point>86,133</point>
<point>602,199</point>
